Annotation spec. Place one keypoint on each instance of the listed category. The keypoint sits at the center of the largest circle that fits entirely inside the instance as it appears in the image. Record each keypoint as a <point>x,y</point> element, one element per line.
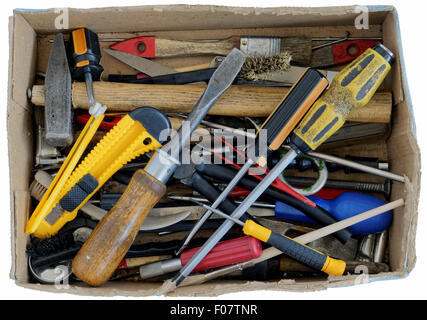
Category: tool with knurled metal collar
<point>109,242</point>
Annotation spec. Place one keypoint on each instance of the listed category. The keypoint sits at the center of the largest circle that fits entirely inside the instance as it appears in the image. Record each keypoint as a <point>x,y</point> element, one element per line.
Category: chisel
<point>352,88</point>
<point>114,234</point>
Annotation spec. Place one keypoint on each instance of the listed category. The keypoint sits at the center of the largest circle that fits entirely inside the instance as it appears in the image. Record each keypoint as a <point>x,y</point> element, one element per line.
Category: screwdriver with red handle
<point>223,254</point>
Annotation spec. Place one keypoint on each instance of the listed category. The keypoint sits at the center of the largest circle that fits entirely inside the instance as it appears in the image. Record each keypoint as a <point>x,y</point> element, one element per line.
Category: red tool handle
<point>226,253</point>
<point>328,193</point>
<point>107,123</point>
<point>144,46</point>
<point>349,50</point>
<point>277,183</point>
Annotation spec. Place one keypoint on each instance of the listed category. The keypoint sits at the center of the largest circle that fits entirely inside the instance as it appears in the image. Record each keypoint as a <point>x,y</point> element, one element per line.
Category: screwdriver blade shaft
<point>242,208</point>
<point>217,202</point>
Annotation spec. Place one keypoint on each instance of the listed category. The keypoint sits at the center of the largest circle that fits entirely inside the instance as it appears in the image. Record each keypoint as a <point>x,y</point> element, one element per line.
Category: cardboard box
<point>29,51</point>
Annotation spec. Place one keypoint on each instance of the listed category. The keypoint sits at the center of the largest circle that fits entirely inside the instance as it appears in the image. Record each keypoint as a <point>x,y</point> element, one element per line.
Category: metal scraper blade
<point>58,107</point>
<point>141,64</point>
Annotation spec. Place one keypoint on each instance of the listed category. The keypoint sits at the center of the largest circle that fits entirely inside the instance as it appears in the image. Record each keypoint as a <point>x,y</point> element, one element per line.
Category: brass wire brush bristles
<point>255,65</point>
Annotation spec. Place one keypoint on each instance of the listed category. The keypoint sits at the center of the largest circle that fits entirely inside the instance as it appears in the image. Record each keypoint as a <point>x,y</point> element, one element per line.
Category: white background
<point>412,16</point>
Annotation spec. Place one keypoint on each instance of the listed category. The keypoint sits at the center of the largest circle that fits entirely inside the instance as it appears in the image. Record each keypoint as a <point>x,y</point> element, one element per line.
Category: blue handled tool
<point>344,206</point>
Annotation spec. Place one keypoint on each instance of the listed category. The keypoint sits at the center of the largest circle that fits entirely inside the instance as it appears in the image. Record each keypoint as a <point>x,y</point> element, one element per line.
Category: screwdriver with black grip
<point>85,56</point>
<point>300,252</point>
<point>352,88</point>
<point>273,132</point>
<point>316,213</point>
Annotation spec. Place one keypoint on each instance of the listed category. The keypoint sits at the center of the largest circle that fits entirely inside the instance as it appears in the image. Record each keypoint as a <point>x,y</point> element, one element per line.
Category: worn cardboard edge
<point>21,206</point>
<point>12,272</point>
<point>383,276</point>
<point>412,205</point>
<point>28,44</point>
<point>19,197</point>
<point>218,288</point>
<point>272,16</point>
<point>403,73</point>
<point>412,187</point>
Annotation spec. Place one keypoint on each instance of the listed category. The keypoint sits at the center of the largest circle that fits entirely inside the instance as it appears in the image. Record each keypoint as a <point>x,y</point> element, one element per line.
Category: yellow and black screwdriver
<point>351,88</point>
<point>298,251</point>
<point>85,56</point>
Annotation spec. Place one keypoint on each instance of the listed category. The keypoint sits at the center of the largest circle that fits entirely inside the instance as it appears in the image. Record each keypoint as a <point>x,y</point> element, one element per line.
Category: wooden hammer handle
<point>111,239</point>
<point>238,100</point>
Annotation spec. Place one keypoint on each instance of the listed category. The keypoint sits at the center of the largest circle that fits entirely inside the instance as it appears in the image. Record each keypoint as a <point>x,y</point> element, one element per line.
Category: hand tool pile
<point>186,175</point>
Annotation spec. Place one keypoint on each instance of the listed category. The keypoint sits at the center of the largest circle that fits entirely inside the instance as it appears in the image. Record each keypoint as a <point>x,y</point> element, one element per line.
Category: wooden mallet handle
<point>238,100</point>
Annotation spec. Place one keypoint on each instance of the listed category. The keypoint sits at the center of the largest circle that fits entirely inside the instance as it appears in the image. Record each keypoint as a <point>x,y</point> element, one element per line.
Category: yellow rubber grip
<point>351,88</point>
<point>79,41</point>
<point>334,267</point>
<point>253,229</point>
<point>298,251</point>
<point>52,195</point>
<point>127,140</point>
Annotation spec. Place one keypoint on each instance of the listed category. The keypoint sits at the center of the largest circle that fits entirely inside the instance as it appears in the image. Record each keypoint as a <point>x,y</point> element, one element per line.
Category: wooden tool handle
<point>299,48</point>
<point>238,100</point>
<point>172,48</point>
<point>111,239</point>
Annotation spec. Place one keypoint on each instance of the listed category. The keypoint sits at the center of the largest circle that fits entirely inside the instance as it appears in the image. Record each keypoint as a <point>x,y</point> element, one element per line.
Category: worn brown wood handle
<point>238,100</point>
<point>100,255</point>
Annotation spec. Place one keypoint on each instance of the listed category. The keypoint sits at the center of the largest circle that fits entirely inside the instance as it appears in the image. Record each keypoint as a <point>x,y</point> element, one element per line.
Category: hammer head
<point>58,107</point>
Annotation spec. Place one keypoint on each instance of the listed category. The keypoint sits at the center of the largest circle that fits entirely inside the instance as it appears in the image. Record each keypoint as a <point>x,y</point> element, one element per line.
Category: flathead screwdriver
<point>290,247</point>
<point>277,127</point>
<point>351,88</point>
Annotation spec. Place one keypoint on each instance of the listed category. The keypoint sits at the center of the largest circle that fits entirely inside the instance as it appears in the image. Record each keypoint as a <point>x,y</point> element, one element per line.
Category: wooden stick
<point>238,100</point>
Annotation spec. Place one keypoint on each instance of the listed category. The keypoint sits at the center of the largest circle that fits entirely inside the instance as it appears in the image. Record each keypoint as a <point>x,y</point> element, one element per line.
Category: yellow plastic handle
<point>298,251</point>
<point>52,195</point>
<point>351,88</point>
<point>127,140</point>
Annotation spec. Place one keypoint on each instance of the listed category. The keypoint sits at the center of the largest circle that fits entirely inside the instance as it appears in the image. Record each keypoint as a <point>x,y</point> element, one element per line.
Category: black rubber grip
<point>92,55</point>
<point>318,214</point>
<point>154,121</point>
<point>291,103</point>
<point>210,192</point>
<point>79,193</point>
<point>203,75</point>
<point>298,251</point>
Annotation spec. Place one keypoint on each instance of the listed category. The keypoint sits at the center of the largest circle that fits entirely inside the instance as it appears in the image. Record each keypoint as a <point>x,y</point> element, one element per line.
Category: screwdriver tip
<point>167,286</point>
